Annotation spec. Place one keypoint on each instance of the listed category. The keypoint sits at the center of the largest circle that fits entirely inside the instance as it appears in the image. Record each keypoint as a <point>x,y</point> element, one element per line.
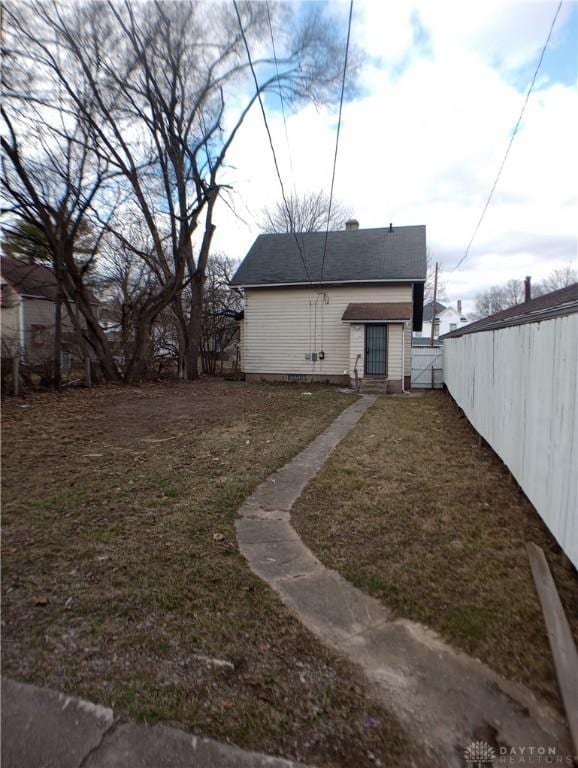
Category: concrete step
<point>373,386</point>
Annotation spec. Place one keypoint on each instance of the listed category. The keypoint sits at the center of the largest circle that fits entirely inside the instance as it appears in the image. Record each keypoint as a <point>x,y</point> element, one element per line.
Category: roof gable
<point>29,279</point>
<point>427,310</point>
<point>33,281</point>
<point>352,256</point>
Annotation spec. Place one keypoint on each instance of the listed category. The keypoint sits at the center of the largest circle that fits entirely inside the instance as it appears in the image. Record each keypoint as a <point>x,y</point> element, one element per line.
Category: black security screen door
<point>375,350</point>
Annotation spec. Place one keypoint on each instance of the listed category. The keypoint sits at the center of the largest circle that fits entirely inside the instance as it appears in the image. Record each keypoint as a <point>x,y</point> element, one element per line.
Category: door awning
<point>375,312</point>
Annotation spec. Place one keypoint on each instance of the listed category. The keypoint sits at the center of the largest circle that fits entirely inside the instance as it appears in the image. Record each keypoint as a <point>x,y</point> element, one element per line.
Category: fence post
<point>88,370</point>
<point>16,374</point>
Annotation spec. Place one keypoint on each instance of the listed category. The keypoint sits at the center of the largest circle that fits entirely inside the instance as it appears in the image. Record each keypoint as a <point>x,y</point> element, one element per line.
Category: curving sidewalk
<point>446,699</point>
<point>46,729</point>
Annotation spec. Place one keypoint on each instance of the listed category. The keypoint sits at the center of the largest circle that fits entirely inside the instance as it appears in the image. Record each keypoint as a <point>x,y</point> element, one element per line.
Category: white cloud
<point>424,142</point>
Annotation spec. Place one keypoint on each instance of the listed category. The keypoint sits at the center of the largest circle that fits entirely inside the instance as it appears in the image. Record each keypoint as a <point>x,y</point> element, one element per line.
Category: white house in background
<point>336,313</point>
<point>28,315</point>
<point>446,319</point>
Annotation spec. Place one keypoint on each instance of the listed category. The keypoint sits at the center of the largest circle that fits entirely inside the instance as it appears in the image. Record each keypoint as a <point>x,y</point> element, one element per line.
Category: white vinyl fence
<point>426,368</point>
<point>518,386</point>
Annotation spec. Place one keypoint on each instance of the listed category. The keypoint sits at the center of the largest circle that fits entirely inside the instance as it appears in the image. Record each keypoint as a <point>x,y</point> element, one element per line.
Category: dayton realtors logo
<point>481,755</point>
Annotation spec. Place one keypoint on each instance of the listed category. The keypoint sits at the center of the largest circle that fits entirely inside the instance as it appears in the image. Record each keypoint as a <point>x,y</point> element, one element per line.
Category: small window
<point>38,334</point>
<point>453,326</point>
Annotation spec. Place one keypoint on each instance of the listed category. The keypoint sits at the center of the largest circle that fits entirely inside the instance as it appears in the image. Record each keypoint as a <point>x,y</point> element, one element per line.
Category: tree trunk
<point>57,362</point>
<point>193,331</point>
<point>181,330</point>
<point>193,340</point>
<point>78,294</point>
<point>137,364</point>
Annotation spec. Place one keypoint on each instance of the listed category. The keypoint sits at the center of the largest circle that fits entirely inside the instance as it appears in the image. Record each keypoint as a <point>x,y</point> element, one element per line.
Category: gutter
<point>399,280</point>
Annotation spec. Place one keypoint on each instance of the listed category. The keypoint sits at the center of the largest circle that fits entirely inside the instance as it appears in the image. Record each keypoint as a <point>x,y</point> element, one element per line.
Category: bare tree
<point>124,282</point>
<point>150,81</point>
<point>498,297</point>
<point>559,278</point>
<point>221,303</point>
<point>304,213</point>
<point>50,179</point>
<point>428,291</point>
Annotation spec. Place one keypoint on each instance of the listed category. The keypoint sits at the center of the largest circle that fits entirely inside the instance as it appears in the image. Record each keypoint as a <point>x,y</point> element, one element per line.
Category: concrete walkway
<point>445,699</point>
<point>45,729</point>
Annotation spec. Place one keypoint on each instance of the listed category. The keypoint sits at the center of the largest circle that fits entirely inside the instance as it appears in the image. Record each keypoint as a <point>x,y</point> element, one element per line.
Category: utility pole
<point>433,310</point>
<point>433,324</point>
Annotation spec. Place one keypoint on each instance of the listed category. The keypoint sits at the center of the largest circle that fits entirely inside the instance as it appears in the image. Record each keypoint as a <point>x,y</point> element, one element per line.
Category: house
<point>28,305</point>
<point>445,319</point>
<point>333,314</point>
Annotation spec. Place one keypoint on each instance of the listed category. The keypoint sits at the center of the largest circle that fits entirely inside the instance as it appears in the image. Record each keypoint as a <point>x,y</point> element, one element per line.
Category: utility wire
<point>513,136</point>
<point>289,153</point>
<point>280,93</point>
<point>258,91</point>
<point>337,136</point>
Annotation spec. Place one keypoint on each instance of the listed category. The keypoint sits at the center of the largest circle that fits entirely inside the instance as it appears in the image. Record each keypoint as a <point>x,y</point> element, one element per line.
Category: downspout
<point>403,358</point>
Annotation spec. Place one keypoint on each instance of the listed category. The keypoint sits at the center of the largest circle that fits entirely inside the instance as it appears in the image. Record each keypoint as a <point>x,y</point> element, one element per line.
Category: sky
<point>438,96</point>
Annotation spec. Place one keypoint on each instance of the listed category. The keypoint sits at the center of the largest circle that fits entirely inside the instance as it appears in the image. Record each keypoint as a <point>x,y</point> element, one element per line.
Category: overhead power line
<point>337,137</point>
<point>513,136</point>
<point>280,93</point>
<point>258,91</point>
<point>283,112</point>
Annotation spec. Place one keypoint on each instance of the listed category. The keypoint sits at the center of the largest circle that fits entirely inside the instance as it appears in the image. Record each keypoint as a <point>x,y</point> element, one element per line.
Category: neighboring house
<point>445,319</point>
<point>310,318</point>
<point>10,319</point>
<point>419,340</point>
<point>28,314</point>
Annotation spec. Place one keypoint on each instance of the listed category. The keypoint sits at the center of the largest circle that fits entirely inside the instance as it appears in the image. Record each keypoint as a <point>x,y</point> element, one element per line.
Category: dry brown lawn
<point>411,509</point>
<point>122,579</point>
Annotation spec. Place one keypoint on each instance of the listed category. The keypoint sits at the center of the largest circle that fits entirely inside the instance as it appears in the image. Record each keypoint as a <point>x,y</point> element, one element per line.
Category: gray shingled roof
<point>362,254</point>
<point>558,303</point>
<point>378,310</point>
<point>427,310</point>
<point>34,280</point>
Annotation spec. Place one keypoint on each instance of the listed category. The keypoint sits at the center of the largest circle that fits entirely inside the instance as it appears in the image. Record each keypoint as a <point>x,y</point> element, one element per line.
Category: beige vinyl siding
<point>41,312</point>
<point>242,344</point>
<point>357,347</point>
<point>10,320</point>
<point>408,334</point>
<point>281,325</point>
<point>38,313</point>
<point>394,350</point>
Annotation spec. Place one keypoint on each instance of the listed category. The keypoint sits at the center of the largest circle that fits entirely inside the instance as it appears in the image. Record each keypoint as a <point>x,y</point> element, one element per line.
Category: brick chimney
<point>459,307</point>
<point>527,288</point>
<point>351,225</point>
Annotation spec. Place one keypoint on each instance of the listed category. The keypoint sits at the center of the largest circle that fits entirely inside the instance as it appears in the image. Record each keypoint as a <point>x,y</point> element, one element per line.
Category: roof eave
<point>361,321</point>
<point>330,282</point>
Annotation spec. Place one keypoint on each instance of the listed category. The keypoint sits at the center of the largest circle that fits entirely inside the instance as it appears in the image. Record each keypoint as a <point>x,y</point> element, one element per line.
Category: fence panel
<point>424,360</point>
<point>518,386</point>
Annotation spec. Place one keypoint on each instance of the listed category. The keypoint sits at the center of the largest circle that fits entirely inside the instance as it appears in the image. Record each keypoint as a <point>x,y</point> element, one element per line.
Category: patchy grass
<point>123,582</point>
<point>412,510</point>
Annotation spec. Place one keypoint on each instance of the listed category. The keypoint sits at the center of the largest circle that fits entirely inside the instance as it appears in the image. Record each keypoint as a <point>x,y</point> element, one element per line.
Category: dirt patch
<point>123,582</point>
<point>411,509</point>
